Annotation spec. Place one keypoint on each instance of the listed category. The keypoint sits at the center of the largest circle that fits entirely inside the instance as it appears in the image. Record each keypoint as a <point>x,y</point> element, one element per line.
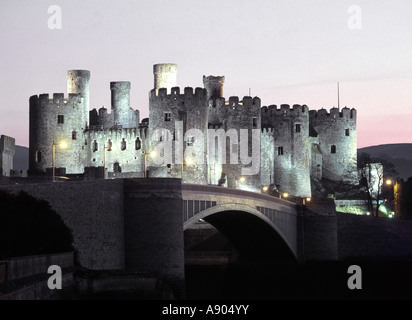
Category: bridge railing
<point>234,192</point>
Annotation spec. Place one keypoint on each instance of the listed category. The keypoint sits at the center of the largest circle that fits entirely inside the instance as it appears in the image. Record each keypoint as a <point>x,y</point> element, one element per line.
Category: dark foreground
<point>387,280</point>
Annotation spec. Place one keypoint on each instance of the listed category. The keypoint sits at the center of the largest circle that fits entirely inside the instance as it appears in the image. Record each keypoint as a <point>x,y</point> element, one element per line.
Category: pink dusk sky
<point>285,51</point>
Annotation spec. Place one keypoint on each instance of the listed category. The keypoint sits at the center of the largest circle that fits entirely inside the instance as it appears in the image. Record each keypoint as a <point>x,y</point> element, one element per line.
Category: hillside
<point>400,154</point>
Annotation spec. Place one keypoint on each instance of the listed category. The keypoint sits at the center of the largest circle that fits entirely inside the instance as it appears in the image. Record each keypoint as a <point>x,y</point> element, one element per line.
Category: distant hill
<point>400,154</point>
<point>21,158</point>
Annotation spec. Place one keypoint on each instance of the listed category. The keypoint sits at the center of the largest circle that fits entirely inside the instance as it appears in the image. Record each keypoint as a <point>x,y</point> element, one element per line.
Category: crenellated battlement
<point>267,131</point>
<point>58,99</point>
<point>162,93</point>
<point>234,103</point>
<point>99,131</point>
<point>296,110</point>
<point>333,114</point>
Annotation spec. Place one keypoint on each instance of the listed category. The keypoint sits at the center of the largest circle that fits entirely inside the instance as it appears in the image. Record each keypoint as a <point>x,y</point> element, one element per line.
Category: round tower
<point>78,82</point>
<point>214,86</point>
<point>120,95</point>
<point>338,143</point>
<point>291,148</point>
<point>165,75</point>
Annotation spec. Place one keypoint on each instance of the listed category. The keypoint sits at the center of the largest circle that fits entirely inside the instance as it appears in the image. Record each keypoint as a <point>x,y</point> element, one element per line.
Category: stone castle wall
<point>337,142</point>
<point>294,143</point>
<point>52,122</point>
<point>290,132</point>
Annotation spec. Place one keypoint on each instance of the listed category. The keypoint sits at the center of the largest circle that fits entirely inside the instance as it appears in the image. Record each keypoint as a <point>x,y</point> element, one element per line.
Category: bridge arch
<point>251,232</point>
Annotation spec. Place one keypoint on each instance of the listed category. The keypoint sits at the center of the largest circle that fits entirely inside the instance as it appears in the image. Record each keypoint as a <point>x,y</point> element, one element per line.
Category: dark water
<point>388,280</point>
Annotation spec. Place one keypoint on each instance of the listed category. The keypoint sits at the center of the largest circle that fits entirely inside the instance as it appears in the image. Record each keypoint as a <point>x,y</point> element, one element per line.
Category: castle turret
<point>181,118</point>
<point>121,104</point>
<point>165,75</point>
<point>214,86</point>
<point>338,142</point>
<point>78,82</point>
<point>286,141</point>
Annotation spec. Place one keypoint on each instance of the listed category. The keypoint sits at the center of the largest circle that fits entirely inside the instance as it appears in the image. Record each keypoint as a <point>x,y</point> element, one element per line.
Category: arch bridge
<point>256,224</point>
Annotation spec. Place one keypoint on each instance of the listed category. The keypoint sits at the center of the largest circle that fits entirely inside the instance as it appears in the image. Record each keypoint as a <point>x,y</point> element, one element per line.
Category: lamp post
<point>61,145</point>
<point>152,154</point>
<point>241,179</point>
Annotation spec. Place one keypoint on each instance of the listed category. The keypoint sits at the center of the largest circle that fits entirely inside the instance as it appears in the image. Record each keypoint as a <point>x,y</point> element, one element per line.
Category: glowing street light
<point>265,188</point>
<point>152,154</point>
<point>62,145</point>
<point>241,179</point>
<point>283,195</point>
<point>307,199</point>
<point>388,182</point>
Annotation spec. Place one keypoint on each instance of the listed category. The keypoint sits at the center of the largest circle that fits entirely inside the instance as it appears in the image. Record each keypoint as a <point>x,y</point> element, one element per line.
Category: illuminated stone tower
<point>78,83</point>
<point>165,75</point>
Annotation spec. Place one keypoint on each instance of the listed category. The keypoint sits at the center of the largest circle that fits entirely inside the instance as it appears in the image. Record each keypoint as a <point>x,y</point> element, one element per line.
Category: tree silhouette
<point>366,164</point>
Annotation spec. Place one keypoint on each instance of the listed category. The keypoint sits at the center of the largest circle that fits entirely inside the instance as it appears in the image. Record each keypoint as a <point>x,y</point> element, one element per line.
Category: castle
<point>296,144</point>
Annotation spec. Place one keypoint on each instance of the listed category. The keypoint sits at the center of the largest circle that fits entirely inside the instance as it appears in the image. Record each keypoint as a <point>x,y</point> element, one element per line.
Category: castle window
<point>333,149</point>
<point>190,141</point>
<point>95,146</point>
<point>74,135</point>
<point>347,132</point>
<point>254,122</point>
<point>280,151</point>
<point>169,168</point>
<point>117,168</point>
<point>60,118</point>
<point>38,156</point>
<point>168,116</point>
<point>137,144</point>
<point>297,127</point>
<point>123,144</point>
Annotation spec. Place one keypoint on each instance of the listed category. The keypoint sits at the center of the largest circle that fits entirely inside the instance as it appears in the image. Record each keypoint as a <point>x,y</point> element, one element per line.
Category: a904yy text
<point>210,309</point>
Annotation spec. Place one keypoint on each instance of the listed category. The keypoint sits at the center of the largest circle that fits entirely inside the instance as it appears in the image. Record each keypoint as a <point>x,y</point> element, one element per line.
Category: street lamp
<point>61,145</point>
<point>241,179</point>
<point>265,188</point>
<point>284,195</point>
<point>152,154</point>
<point>109,148</point>
<point>389,182</point>
<point>307,199</point>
